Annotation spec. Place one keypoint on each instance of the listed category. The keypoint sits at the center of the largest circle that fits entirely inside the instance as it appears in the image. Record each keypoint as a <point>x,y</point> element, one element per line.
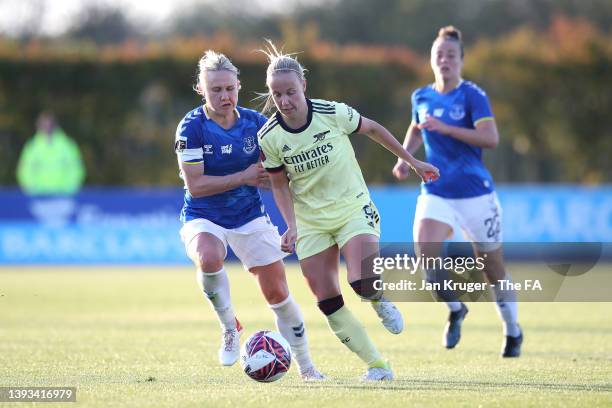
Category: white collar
<point>458,85</point>
<point>208,117</point>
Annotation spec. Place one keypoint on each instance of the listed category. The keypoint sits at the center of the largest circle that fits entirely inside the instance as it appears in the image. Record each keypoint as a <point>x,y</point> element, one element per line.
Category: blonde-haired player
<point>319,189</point>
<point>218,154</point>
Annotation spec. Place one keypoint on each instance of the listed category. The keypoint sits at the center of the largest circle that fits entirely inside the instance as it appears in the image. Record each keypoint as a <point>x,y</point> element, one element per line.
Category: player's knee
<point>366,288</point>
<point>428,248</point>
<point>276,294</point>
<point>430,239</point>
<point>495,270</point>
<point>208,262</point>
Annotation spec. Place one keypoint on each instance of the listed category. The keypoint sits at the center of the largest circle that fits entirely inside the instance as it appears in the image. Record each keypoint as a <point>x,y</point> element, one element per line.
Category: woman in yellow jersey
<point>320,191</point>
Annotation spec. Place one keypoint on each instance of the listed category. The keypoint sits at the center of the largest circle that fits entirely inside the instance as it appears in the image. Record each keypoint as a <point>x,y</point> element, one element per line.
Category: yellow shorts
<point>312,240</point>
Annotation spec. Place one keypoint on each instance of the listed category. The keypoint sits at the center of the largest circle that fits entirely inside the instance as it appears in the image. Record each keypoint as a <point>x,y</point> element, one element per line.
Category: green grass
<point>146,337</point>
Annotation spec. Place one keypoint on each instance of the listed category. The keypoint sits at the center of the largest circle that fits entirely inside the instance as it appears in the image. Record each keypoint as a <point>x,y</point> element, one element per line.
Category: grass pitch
<point>145,337</point>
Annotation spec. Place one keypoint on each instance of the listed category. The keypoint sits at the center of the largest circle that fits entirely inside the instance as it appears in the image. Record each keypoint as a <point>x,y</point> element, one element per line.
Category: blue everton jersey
<point>198,140</point>
<point>462,173</point>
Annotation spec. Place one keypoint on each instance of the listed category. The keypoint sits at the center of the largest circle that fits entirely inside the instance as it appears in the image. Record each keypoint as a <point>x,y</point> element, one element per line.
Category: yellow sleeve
<point>347,118</point>
<point>269,154</point>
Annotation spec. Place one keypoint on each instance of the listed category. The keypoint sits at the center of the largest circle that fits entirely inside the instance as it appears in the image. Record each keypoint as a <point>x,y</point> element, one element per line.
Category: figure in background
<point>50,163</point>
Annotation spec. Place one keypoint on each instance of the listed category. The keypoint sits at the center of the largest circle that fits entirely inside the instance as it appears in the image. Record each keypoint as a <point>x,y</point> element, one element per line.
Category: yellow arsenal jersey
<point>324,176</point>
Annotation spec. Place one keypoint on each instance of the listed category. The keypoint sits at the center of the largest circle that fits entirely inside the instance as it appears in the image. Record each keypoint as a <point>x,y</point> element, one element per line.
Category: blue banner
<point>140,226</point>
<point>531,213</point>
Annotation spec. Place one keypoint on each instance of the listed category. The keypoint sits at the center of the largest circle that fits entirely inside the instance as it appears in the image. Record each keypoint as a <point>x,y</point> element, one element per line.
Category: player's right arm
<point>200,185</point>
<point>189,150</point>
<point>280,189</point>
<point>412,142</point>
<point>284,202</point>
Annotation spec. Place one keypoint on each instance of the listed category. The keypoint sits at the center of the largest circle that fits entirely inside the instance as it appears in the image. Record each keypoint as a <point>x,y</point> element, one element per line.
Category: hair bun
<point>450,33</point>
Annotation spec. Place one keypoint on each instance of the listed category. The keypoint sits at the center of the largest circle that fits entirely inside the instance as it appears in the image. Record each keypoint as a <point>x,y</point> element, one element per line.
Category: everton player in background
<point>453,119</point>
<point>218,154</point>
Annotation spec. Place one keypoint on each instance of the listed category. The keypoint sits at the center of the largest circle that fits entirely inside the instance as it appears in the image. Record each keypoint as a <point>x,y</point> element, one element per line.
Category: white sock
<point>507,307</point>
<point>216,288</point>
<point>290,324</point>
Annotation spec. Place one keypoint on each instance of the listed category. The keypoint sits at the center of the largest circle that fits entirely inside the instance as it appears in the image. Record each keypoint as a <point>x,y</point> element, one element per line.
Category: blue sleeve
<point>261,120</point>
<point>415,115</point>
<point>187,142</point>
<point>480,108</point>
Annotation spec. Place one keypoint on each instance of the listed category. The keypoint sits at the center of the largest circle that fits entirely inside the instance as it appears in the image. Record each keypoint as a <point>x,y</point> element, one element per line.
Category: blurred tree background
<point>119,86</point>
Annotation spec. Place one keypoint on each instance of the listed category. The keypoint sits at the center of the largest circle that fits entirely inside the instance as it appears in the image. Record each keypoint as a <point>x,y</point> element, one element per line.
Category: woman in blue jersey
<point>453,119</point>
<point>218,155</point>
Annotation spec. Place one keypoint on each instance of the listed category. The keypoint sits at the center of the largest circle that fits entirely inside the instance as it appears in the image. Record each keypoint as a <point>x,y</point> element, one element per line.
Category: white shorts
<point>480,217</point>
<point>256,243</point>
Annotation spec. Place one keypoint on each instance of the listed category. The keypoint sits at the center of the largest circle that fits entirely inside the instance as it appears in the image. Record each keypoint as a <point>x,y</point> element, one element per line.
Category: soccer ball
<point>265,356</point>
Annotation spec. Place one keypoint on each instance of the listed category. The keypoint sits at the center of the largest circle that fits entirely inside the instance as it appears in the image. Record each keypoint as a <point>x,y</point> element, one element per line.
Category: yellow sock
<point>382,363</point>
<point>353,335</point>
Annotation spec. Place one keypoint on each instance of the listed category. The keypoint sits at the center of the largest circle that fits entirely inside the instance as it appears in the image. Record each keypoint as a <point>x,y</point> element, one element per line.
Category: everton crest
<point>250,144</point>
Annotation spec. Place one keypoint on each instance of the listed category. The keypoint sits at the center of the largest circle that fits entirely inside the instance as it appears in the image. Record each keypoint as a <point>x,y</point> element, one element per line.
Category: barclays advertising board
<point>140,226</point>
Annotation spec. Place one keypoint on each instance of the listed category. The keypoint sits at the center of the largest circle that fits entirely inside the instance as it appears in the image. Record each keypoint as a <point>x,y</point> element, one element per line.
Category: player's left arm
<point>484,132</point>
<point>382,136</point>
<point>483,135</point>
